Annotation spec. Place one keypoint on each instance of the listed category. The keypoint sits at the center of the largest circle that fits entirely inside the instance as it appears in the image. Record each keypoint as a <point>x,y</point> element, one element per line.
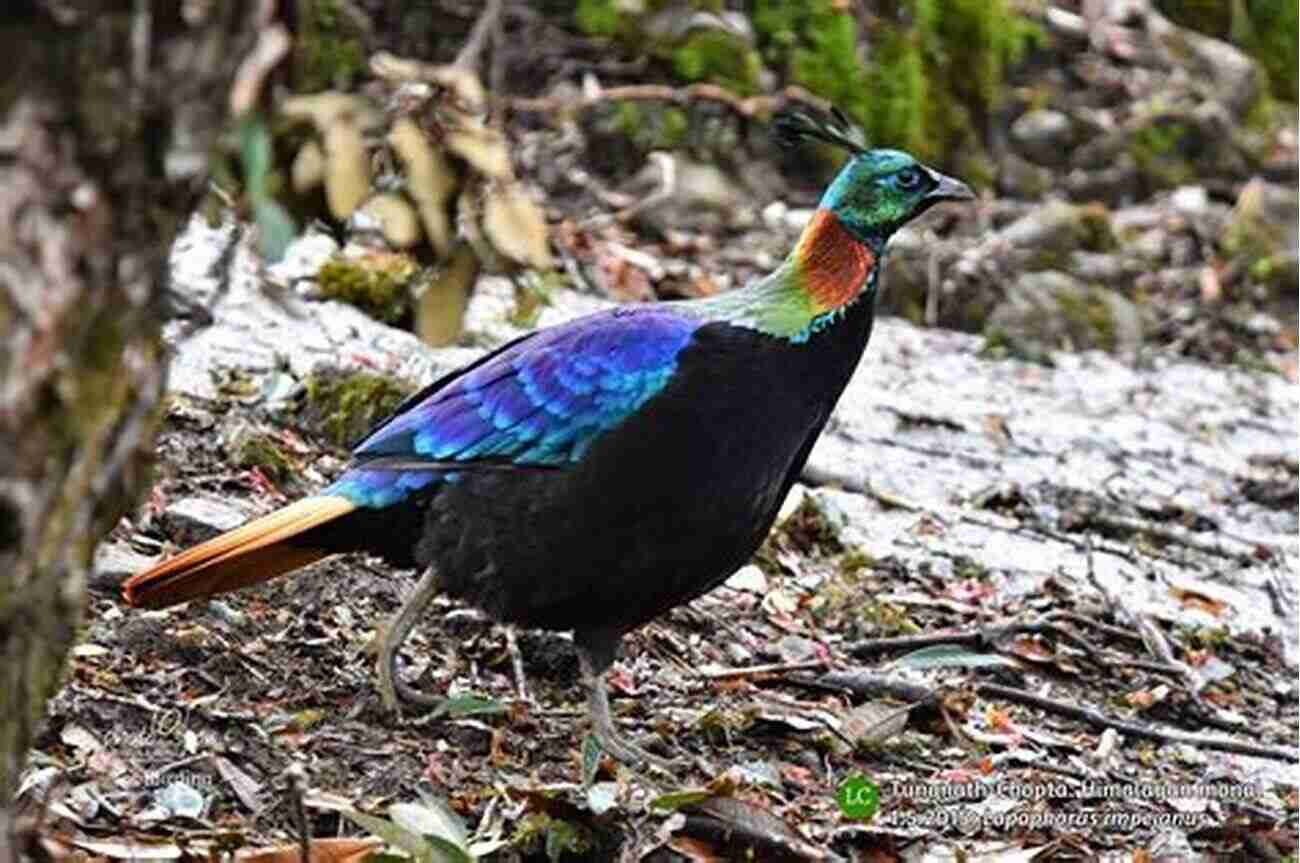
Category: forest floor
<point>1065,590</point>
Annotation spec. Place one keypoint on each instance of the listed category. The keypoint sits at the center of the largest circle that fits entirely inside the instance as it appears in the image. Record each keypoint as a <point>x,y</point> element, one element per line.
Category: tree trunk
<point>96,98</point>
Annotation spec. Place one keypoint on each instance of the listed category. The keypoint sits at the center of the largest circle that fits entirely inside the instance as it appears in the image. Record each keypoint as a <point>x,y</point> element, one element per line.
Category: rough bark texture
<point>95,96</point>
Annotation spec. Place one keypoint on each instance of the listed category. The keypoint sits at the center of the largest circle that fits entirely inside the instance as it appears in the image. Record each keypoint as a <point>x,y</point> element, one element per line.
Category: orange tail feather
<point>250,554</point>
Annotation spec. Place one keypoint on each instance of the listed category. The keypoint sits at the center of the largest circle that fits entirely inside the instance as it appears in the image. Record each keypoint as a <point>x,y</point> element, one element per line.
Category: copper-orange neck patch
<point>833,265</point>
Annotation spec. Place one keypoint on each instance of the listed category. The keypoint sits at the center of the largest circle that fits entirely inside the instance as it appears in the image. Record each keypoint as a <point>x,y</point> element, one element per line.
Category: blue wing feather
<point>541,401</point>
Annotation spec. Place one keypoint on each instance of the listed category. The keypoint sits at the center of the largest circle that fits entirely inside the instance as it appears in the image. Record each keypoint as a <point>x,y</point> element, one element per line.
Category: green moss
<point>934,70</point>
<point>329,53</point>
<point>378,284</point>
<point>855,562</point>
<point>342,407</point>
<point>1001,345</point>
<point>254,449</point>
<point>1094,232</point>
<point>1159,148</point>
<point>1090,315</point>
<point>539,832</point>
<point>704,53</point>
<point>721,725</point>
<point>808,530</point>
<point>815,44</point>
<point>597,17</point>
<point>709,54</point>
<point>533,291</point>
<point>650,126</point>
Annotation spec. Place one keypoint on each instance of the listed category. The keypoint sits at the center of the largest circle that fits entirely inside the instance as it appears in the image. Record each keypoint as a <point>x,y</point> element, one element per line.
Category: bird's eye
<point>909,179</point>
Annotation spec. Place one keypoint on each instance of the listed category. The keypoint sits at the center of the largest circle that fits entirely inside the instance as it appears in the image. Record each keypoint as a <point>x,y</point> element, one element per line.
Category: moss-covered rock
<point>1049,310</point>
<point>1264,29</point>
<point>378,283</point>
<point>342,407</point>
<point>249,448</point>
<point>695,38</point>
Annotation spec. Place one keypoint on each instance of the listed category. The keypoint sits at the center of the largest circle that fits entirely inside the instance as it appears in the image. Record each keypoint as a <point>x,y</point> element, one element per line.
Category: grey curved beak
<point>949,189</point>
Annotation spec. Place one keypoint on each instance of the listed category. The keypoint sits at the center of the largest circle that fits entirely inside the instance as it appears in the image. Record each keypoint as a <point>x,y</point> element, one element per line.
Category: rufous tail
<point>256,552</point>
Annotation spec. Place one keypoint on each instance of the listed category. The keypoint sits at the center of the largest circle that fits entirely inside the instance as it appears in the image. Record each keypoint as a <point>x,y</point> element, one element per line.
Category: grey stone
<point>1049,310</point>
<point>193,519</point>
<point>1229,74</point>
<point>114,563</point>
<point>1114,186</point>
<point>1020,178</point>
<point>1043,136</point>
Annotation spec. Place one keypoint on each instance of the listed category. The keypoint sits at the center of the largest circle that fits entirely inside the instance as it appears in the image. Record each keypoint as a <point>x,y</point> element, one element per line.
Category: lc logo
<point>859,797</point>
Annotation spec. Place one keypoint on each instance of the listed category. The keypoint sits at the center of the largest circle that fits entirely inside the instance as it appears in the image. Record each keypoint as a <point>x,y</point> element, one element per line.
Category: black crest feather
<point>794,125</point>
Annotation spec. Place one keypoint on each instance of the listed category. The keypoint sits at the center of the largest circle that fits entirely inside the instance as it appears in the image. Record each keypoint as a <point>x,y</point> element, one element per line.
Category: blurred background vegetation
<point>529,139</point>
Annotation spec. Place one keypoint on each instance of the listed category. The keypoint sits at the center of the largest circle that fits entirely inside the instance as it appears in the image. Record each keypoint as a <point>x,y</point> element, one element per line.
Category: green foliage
<point>1265,29</point>
<point>1158,148</point>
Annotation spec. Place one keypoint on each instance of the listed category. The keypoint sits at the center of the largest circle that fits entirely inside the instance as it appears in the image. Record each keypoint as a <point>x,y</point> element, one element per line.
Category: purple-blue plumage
<point>538,402</point>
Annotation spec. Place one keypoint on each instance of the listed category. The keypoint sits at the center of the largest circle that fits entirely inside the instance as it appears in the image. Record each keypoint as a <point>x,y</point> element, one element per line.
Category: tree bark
<point>106,113</point>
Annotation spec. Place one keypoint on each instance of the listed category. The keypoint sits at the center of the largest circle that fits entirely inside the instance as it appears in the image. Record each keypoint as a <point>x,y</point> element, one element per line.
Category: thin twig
<point>479,36</point>
<point>973,638</point>
<point>1133,729</point>
<point>297,781</point>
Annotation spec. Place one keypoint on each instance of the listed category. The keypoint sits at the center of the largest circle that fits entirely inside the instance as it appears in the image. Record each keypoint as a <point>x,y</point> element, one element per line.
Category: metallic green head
<point>878,191</point>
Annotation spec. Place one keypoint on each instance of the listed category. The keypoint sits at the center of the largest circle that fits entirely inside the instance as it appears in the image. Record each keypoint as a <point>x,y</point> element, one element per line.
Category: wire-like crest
<point>794,125</point>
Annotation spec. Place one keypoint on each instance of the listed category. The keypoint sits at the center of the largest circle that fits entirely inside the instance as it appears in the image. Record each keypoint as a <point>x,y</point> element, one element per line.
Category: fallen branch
<point>752,107</point>
<point>1170,535</point>
<point>1134,729</point>
<point>867,685</point>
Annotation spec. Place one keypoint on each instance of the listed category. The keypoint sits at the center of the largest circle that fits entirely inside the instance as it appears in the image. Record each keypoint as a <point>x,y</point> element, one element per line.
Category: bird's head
<point>877,191</point>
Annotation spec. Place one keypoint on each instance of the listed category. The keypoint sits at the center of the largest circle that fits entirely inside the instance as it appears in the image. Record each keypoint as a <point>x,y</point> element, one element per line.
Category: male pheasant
<point>593,475</point>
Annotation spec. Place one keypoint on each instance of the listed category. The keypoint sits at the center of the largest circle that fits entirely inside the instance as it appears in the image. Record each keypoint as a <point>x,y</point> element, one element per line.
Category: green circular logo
<point>859,797</point>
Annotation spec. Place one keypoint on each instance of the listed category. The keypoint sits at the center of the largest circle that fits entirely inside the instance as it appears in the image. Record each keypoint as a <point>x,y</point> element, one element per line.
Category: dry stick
<point>753,670</point>
<point>754,106</point>
<point>296,779</point>
<point>1084,620</point>
<point>484,28</point>
<point>1087,714</point>
<point>869,685</point>
<point>1170,534</point>
<point>972,638</point>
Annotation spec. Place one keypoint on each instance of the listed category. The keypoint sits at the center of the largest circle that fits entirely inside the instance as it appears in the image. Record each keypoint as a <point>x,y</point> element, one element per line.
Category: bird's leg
<point>601,722</point>
<point>391,688</point>
<point>517,663</point>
